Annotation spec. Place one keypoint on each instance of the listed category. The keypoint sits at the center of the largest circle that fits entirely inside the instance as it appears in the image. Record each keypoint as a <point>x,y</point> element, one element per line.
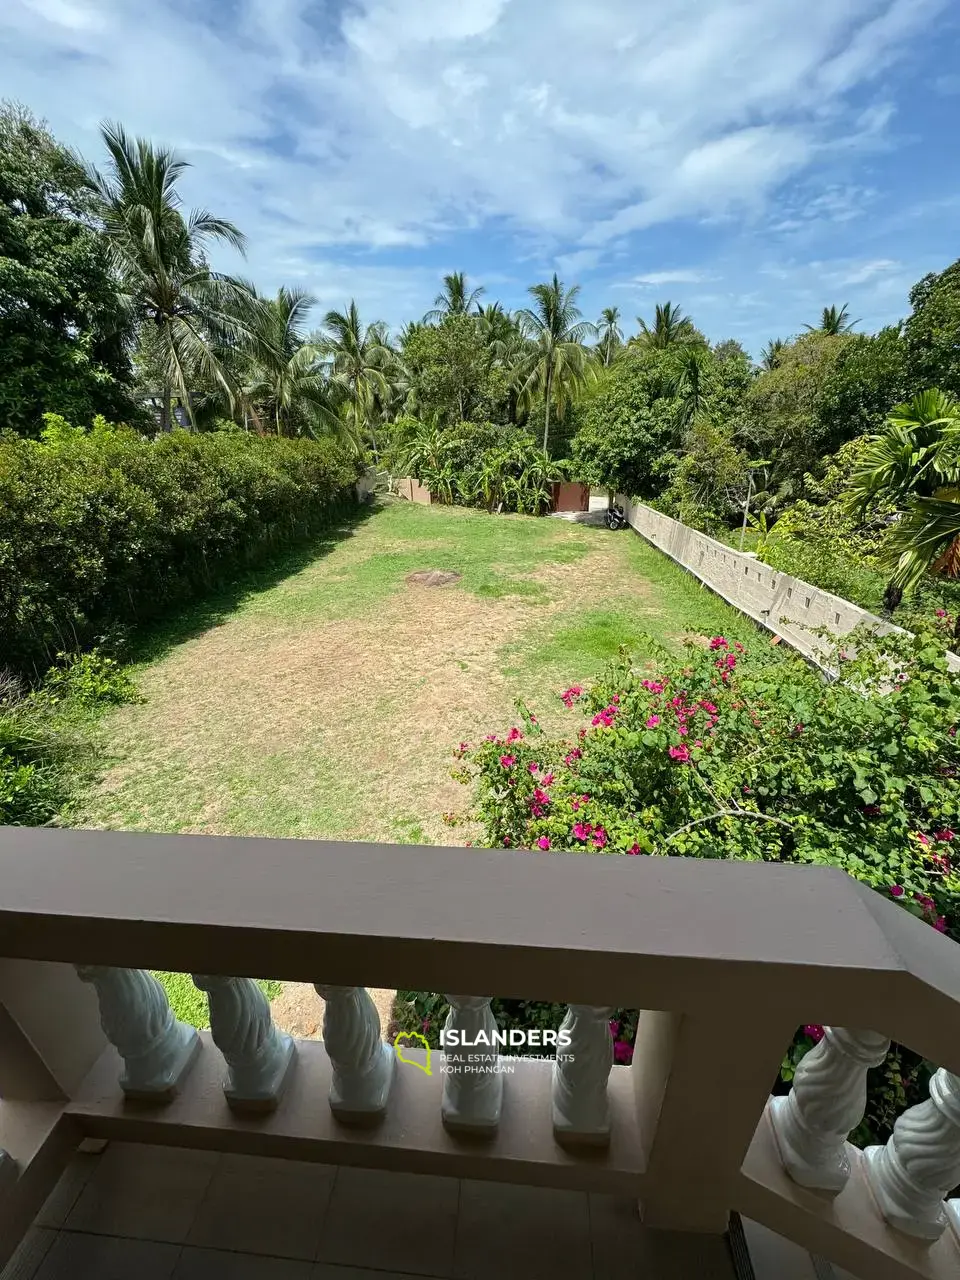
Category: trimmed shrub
<point>104,527</point>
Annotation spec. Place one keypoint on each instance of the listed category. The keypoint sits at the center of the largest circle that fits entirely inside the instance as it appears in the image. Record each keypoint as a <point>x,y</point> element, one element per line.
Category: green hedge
<point>105,527</point>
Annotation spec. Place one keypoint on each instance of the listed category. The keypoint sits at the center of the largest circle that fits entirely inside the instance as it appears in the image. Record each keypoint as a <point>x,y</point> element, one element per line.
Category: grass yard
<point>323,697</point>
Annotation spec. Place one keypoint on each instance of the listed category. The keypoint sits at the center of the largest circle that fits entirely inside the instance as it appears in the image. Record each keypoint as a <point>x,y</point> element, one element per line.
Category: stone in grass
<point>431,578</point>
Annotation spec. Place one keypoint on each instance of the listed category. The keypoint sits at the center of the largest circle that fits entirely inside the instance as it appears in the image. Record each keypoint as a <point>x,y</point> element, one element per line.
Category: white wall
<point>783,604</point>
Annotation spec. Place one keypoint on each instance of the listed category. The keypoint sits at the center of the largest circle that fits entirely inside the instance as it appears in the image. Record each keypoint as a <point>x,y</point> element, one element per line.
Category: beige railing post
<point>701,1084</point>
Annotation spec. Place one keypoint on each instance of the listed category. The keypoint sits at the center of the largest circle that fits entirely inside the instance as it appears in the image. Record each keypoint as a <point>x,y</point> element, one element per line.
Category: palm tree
<point>770,355</point>
<point>360,359</point>
<point>670,327</point>
<point>915,465</point>
<point>688,383</point>
<point>194,314</point>
<point>285,377</point>
<point>610,334</point>
<point>833,321</point>
<point>454,299</point>
<point>558,364</point>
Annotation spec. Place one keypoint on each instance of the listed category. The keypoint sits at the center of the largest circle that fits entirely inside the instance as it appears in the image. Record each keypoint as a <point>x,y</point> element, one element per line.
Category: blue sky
<point>751,160</point>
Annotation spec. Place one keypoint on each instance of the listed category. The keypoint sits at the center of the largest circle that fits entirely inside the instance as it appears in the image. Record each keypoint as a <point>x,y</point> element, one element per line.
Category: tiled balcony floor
<point>158,1213</point>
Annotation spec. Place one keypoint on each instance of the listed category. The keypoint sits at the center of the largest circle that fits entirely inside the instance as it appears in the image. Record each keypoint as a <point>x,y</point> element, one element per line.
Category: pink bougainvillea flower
<point>507,842</point>
<point>709,707</point>
<point>896,891</point>
<point>599,838</point>
<point>699,742</point>
<point>571,756</point>
<point>581,830</point>
<point>941,862</point>
<point>634,851</point>
<point>925,902</point>
<point>719,642</point>
<point>615,698</point>
<point>462,750</point>
<point>614,1029</point>
<point>622,1053</point>
<point>681,753</point>
<point>940,924</point>
<point>543,843</point>
<point>547,779</point>
<point>922,838</point>
<point>533,767</point>
<point>738,646</point>
<point>871,810</point>
<point>508,761</point>
<point>945,834</point>
<point>533,718</point>
<point>492,737</point>
<point>941,613</point>
<point>652,722</point>
<point>653,686</point>
<point>425,1025</point>
<point>582,734</point>
<point>514,735</point>
<point>814,1031</point>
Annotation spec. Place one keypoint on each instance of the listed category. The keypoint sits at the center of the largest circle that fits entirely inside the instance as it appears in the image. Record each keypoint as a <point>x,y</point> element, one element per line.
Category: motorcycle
<point>614,518</point>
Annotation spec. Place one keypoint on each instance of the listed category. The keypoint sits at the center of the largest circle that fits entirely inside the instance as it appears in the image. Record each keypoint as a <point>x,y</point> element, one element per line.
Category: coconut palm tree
<point>454,299</point>
<point>915,465</point>
<point>557,364</point>
<point>359,359</point>
<point>609,333</point>
<point>770,355</point>
<point>194,314</point>
<point>688,382</point>
<point>670,327</point>
<point>833,321</point>
<point>285,381</point>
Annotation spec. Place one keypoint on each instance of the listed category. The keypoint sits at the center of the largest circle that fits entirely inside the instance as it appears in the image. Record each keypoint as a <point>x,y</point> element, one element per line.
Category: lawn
<point>323,697</point>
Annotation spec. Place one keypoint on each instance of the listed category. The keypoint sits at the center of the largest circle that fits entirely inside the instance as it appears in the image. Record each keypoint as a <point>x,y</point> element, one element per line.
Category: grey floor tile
<point>399,1222</point>
<point>75,1256</point>
<point>264,1206</point>
<point>516,1232</point>
<point>67,1191</point>
<point>214,1264</point>
<point>151,1193</point>
<point>28,1255</point>
<point>623,1249</point>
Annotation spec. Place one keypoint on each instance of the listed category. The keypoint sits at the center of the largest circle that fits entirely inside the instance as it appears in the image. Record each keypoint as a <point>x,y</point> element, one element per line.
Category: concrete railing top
<point>671,933</point>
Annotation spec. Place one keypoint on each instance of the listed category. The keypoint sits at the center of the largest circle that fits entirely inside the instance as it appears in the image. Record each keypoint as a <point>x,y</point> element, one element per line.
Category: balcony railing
<point>726,959</point>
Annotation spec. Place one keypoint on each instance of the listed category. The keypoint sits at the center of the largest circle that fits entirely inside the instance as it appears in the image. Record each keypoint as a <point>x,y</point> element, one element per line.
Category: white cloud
<point>869,270</point>
<point>684,275</point>
<point>384,126</point>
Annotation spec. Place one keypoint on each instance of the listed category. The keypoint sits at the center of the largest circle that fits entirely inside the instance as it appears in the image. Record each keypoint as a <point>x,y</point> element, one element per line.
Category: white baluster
<point>363,1065</point>
<point>581,1111</point>
<point>827,1101</point>
<point>472,1090</point>
<point>920,1163</point>
<point>258,1056</point>
<point>136,1017</point>
<point>952,1209</point>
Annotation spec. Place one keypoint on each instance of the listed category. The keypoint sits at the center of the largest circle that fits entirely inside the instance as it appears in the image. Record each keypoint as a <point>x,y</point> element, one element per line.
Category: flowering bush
<point>722,753</point>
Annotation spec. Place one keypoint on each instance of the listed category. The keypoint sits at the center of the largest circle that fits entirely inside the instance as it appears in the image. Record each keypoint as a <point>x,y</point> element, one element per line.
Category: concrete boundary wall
<point>785,605</point>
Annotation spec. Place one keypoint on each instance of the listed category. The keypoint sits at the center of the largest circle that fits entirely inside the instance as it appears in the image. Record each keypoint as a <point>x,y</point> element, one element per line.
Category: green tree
<point>670,328</point>
<point>915,465</point>
<point>609,334</point>
<point>770,355</point>
<point>629,424</point>
<point>781,412</point>
<point>285,384</point>
<point>194,314</point>
<point>833,321</point>
<point>360,360</point>
<point>453,372</point>
<point>64,332</point>
<point>932,332</point>
<point>558,366</point>
<point>868,378</point>
<point>455,298</point>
